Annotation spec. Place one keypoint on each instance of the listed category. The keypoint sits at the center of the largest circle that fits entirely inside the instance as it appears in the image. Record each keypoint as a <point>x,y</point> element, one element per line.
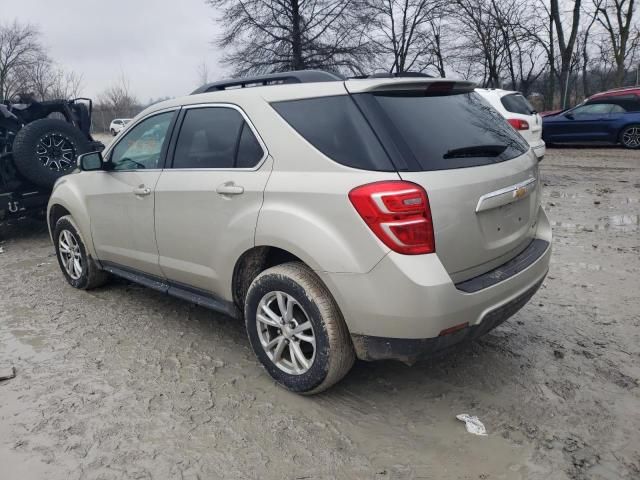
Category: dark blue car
<point>603,120</point>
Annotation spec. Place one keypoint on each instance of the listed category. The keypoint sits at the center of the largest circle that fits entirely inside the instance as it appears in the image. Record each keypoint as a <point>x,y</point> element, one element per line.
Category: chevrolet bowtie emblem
<point>520,192</point>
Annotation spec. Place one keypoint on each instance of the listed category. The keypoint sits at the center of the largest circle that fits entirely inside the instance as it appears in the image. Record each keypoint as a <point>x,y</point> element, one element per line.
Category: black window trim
<point>165,144</point>
<point>247,121</point>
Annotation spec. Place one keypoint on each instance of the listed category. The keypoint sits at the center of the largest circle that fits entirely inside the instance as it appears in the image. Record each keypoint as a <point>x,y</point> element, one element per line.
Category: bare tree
<point>279,35</point>
<point>202,73</point>
<point>118,99</point>
<point>65,85</point>
<point>583,47</point>
<point>19,49</point>
<point>566,45</point>
<point>616,17</point>
<point>522,52</point>
<point>405,34</point>
<point>483,41</point>
<point>438,37</point>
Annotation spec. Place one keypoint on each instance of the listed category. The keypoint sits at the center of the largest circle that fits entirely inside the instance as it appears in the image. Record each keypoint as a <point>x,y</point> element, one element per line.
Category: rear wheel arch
<point>252,263</point>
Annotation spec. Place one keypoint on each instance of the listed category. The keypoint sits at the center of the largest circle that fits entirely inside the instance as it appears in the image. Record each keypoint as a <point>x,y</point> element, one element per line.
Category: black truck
<point>39,143</point>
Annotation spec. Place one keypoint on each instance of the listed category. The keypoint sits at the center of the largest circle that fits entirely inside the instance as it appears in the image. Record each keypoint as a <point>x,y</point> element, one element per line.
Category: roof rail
<point>395,75</point>
<point>300,76</point>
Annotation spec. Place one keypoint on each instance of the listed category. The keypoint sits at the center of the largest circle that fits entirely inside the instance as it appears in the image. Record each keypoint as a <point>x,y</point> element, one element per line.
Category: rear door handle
<point>229,188</point>
<point>142,191</point>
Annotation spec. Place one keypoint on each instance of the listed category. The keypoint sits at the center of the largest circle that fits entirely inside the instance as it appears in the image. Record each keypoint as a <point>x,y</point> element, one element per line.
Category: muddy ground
<point>124,383</point>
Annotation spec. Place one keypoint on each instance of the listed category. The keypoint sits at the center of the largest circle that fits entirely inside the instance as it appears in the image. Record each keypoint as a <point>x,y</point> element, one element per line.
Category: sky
<point>156,44</point>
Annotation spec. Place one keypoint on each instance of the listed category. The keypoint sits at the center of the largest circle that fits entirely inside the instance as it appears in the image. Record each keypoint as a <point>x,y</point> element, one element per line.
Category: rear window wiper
<point>475,151</point>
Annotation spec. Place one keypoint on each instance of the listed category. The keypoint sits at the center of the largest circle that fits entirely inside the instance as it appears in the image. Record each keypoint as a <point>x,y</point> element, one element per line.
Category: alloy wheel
<point>57,152</point>
<point>286,333</point>
<point>70,254</point>
<point>631,137</point>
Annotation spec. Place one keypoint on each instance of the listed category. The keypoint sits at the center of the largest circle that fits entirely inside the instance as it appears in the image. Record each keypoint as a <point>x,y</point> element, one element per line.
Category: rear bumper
<point>399,308</point>
<point>539,148</point>
<point>409,350</point>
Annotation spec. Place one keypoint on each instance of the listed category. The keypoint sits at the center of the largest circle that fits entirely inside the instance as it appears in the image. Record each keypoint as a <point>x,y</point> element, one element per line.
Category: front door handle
<point>142,191</point>
<point>229,188</point>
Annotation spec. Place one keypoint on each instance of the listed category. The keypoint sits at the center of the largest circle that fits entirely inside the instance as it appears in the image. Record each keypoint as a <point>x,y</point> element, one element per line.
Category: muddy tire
<point>79,269</point>
<point>630,137</point>
<point>47,149</point>
<point>296,329</point>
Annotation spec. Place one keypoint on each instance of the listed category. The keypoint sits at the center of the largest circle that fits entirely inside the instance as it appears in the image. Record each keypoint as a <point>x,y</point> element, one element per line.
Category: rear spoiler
<point>434,86</point>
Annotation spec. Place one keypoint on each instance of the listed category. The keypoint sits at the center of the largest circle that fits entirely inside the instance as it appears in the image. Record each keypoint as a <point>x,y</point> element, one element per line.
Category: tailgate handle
<point>506,195</point>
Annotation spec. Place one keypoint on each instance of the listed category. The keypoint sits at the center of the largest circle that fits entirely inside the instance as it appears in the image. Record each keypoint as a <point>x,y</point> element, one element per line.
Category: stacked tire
<point>46,149</point>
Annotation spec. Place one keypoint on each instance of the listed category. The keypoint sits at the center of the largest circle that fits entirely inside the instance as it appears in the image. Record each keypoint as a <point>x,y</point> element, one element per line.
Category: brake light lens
<point>398,213</point>
<point>518,124</point>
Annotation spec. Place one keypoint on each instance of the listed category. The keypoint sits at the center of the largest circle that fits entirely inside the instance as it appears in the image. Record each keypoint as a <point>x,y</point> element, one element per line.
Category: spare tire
<point>45,150</point>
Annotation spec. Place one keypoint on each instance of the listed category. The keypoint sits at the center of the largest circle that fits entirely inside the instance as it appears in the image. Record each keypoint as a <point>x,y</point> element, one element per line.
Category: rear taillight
<point>398,213</point>
<point>518,124</point>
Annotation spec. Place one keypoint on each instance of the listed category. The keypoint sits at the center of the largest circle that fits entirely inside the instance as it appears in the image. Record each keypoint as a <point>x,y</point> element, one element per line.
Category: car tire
<point>85,274</point>
<point>630,136</point>
<point>46,149</point>
<point>326,345</point>
<point>113,132</point>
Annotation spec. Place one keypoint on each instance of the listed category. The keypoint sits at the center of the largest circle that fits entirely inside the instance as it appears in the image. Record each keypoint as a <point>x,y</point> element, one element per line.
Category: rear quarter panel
<point>306,208</point>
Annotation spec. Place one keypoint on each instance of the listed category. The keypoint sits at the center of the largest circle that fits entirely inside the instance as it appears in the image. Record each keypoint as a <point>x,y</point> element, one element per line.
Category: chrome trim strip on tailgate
<point>506,195</point>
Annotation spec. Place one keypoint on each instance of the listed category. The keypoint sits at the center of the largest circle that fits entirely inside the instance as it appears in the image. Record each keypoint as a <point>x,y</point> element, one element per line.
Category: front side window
<point>592,109</point>
<point>216,137</point>
<point>141,147</point>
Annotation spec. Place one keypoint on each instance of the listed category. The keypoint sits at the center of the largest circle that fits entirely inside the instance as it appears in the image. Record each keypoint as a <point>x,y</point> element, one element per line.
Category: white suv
<point>519,113</point>
<point>117,125</point>
<point>370,218</point>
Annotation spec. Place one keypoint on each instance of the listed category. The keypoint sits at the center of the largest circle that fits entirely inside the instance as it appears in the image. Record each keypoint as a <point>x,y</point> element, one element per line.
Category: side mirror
<point>569,115</point>
<point>90,162</point>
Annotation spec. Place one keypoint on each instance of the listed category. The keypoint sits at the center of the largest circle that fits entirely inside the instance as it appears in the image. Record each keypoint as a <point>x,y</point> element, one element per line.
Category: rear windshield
<point>446,131</point>
<point>516,103</point>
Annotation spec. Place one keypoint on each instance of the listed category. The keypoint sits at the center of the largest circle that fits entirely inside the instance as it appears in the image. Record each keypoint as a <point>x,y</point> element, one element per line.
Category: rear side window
<point>249,150</point>
<point>335,126</point>
<point>445,131</point>
<point>216,137</point>
<point>516,103</point>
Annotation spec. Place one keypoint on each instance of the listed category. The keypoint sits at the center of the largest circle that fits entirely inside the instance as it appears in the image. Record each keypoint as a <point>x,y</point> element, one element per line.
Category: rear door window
<point>336,127</point>
<point>439,132</point>
<point>216,137</point>
<point>516,103</point>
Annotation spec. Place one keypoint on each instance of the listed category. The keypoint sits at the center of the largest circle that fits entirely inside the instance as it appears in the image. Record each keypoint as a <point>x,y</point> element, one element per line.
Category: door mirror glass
<point>88,162</point>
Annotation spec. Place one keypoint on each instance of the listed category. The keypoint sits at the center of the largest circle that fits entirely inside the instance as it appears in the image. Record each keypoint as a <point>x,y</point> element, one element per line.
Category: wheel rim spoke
<point>297,355</point>
<point>277,353</point>
<point>70,254</point>
<point>272,315</point>
<point>285,332</point>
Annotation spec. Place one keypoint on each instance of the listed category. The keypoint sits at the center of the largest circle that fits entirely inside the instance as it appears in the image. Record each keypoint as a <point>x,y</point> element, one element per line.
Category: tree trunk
<point>296,37</point>
<point>620,73</point>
